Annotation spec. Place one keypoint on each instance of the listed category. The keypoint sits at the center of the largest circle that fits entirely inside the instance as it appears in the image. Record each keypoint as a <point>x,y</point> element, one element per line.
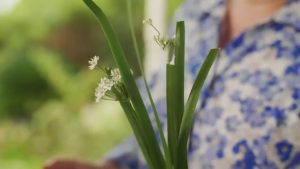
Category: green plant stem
<point>155,29</point>
<point>133,121</point>
<point>171,113</point>
<point>160,130</point>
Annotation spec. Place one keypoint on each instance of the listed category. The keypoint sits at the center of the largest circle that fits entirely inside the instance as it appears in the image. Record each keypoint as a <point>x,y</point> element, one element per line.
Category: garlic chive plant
<point>119,85</point>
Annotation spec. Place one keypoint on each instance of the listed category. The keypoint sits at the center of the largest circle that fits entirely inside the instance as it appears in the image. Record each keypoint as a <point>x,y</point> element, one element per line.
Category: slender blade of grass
<point>191,106</point>
<point>134,94</point>
<point>179,62</point>
<point>171,112</point>
<point>160,130</point>
<point>175,91</point>
<point>133,121</point>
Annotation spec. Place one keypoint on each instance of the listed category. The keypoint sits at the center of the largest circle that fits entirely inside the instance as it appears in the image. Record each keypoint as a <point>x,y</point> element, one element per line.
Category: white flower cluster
<point>93,62</point>
<point>164,41</point>
<point>106,84</point>
<point>103,87</point>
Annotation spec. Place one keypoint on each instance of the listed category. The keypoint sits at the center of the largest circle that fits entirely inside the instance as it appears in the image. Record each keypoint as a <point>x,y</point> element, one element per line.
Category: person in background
<point>249,116</point>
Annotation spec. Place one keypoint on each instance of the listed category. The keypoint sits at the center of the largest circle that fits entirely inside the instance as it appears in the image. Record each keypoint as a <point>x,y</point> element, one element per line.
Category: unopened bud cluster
<point>165,42</point>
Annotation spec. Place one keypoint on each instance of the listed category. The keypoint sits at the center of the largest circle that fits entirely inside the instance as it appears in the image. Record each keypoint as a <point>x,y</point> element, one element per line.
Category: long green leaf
<point>171,112</point>
<point>179,62</point>
<point>191,106</point>
<point>138,104</point>
<point>175,92</point>
<point>178,86</point>
<point>130,114</point>
<point>160,130</point>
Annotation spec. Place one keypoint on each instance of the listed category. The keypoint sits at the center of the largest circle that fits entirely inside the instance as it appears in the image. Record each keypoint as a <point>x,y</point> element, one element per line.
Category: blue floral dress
<point>248,114</point>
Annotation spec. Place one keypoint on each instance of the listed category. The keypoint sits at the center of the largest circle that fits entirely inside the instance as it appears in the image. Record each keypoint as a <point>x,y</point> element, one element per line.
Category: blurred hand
<point>75,164</point>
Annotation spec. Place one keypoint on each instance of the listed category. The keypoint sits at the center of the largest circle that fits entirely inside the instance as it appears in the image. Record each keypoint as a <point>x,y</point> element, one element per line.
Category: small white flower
<point>93,62</point>
<point>116,76</point>
<point>147,21</point>
<point>99,94</point>
<point>106,83</point>
<point>103,87</point>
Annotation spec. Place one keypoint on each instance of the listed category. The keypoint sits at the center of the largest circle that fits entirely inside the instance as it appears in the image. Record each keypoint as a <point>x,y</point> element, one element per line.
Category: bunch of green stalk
<point>179,116</point>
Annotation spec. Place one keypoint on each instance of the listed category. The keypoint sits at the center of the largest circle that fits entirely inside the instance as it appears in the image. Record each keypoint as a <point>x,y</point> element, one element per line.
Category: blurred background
<point>47,104</point>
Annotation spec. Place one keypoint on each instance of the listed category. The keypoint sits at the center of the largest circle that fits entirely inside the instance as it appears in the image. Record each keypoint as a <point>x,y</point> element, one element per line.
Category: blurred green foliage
<point>46,90</point>
<point>68,31</point>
